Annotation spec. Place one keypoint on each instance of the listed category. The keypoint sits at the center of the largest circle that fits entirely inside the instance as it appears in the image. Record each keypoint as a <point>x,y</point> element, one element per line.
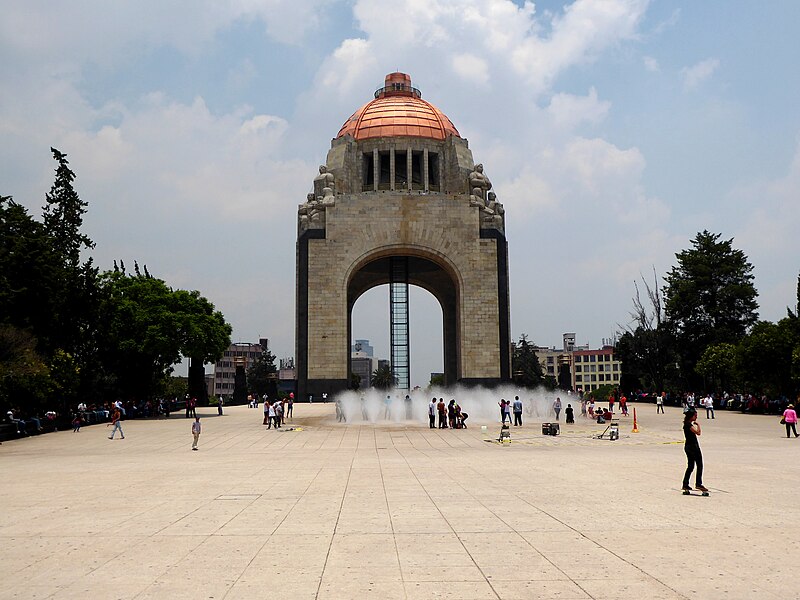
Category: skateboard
<point>694,493</point>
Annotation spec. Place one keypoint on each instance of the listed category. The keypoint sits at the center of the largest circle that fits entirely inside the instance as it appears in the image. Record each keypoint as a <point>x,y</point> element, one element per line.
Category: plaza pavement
<point>398,511</point>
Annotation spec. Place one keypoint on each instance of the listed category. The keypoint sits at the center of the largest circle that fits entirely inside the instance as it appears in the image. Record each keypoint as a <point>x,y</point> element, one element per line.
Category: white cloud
<point>568,110</point>
<point>651,64</point>
<point>471,68</point>
<point>696,74</point>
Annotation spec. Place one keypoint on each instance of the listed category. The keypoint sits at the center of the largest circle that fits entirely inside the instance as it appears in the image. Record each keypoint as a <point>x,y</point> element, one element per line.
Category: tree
<point>148,327</point>
<point>383,378</point>
<point>355,381</point>
<point>718,365</point>
<point>645,346</point>
<point>765,358</point>
<point>262,375</point>
<point>709,298</point>
<point>436,381</point>
<point>23,373</point>
<point>526,370</point>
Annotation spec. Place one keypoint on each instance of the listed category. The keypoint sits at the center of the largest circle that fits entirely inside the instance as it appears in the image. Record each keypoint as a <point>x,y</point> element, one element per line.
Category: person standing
<point>266,411</point>
<point>220,403</point>
<point>623,404</point>
<point>517,411</point>
<point>502,405</point>
<point>691,431</point>
<point>790,420</point>
<point>451,413</point>
<point>387,407</point>
<point>442,414</point>
<point>660,403</point>
<point>708,402</point>
<point>612,397</point>
<point>196,429</point>
<point>290,405</point>
<point>432,413</point>
<point>557,407</point>
<point>193,406</point>
<point>569,414</point>
<point>269,411</point>
<point>116,421</point>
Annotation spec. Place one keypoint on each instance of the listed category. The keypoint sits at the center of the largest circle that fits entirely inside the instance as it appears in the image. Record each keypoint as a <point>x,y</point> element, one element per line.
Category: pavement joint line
<point>450,525</point>
<point>335,527</point>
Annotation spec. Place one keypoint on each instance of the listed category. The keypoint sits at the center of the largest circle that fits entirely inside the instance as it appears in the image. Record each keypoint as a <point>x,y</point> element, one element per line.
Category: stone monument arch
<point>401,201</point>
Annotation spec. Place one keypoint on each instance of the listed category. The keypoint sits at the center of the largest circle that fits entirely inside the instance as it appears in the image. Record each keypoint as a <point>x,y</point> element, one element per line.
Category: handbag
<point>783,421</point>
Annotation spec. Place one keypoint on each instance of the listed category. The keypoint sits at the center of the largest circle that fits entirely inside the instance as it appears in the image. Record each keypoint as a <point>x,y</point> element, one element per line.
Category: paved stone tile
<point>396,511</point>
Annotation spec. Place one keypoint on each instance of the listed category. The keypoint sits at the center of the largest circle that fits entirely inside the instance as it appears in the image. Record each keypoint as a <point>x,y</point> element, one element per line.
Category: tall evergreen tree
<point>526,370</point>
<point>709,298</point>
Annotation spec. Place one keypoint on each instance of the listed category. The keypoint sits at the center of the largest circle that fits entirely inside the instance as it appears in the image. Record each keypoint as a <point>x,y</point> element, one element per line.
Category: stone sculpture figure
<point>495,213</point>
<point>478,180</point>
<point>311,213</point>
<point>475,199</point>
<point>328,199</point>
<point>323,180</point>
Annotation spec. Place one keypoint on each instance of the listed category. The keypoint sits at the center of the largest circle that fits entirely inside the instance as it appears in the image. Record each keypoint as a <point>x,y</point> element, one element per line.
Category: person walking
<point>660,403</point>
<point>557,407</point>
<point>694,458</point>
<point>432,413</point>
<point>116,421</point>
<point>790,420</point>
<point>196,429</point>
<point>517,411</point>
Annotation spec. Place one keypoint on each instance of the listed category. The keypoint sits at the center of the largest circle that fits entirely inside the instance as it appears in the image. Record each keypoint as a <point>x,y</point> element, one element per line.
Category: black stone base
<point>317,387</point>
<point>487,382</point>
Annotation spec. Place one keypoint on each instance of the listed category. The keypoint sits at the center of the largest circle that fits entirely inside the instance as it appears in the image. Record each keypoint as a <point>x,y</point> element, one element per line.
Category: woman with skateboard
<point>691,429</point>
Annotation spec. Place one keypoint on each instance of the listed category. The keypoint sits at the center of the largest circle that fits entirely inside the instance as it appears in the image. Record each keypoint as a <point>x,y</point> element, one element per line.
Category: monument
<point>400,201</point>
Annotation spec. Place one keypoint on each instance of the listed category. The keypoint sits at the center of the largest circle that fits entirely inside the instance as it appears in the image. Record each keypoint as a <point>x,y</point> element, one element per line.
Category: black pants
<point>517,418</point>
<point>793,427</point>
<point>442,420</point>
<point>432,419</point>
<point>710,411</point>
<point>694,458</point>
<point>660,408</point>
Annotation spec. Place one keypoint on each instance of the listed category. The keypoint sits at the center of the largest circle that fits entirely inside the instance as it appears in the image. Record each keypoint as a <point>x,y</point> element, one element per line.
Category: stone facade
<point>413,197</point>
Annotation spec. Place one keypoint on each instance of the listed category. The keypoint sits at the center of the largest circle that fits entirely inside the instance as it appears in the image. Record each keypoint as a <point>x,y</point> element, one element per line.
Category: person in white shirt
<point>432,413</point>
<point>196,429</point>
<point>708,402</point>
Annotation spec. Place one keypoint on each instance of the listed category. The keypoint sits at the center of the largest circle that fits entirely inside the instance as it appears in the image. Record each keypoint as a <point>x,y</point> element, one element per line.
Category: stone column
<point>391,168</point>
<point>408,168</point>
<point>376,169</point>
<point>425,169</point>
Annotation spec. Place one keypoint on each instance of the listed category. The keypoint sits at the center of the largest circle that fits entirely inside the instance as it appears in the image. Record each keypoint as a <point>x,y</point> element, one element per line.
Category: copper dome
<point>398,110</point>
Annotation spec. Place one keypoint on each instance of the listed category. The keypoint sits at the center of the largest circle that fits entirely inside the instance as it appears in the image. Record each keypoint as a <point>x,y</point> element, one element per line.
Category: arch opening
<point>422,273</point>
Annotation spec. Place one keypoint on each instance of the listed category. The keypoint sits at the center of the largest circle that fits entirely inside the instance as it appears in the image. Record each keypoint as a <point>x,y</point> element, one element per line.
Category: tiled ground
<point>397,511</point>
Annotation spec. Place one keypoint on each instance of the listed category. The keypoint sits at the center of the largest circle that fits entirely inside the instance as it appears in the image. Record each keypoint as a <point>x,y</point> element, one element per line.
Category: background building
<point>578,367</point>
<point>238,354</point>
<point>363,362</point>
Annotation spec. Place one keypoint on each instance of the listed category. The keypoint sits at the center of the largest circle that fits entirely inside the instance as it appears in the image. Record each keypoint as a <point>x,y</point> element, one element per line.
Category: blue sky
<point>613,131</point>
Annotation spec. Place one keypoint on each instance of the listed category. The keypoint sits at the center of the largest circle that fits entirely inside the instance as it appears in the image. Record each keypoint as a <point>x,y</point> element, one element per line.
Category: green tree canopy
<point>261,375</point>
<point>383,378</point>
<point>526,370</point>
<point>709,298</point>
<point>148,327</point>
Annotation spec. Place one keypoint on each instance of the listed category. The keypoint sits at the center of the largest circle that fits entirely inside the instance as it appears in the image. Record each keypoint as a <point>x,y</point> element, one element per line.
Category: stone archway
<point>427,274</point>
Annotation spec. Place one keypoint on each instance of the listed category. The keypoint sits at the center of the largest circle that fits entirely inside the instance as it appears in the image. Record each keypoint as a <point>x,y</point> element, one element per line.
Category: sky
<point>613,131</point>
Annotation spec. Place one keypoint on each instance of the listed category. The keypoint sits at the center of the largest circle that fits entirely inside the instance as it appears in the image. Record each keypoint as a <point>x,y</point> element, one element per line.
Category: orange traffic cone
<point>635,424</point>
